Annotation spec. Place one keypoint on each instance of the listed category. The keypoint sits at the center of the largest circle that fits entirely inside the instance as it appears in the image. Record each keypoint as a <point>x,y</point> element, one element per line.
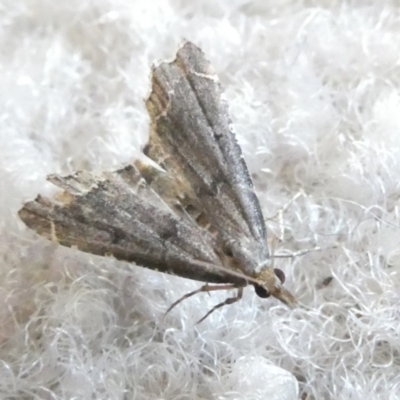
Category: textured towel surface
<point>313,89</point>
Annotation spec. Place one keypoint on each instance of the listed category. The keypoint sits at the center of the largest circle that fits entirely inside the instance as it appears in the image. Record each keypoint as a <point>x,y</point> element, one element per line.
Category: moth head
<point>271,284</point>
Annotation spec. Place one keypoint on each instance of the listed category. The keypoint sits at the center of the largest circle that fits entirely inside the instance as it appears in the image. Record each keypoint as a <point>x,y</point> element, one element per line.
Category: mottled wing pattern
<point>117,214</point>
<point>194,215</point>
<point>192,138</point>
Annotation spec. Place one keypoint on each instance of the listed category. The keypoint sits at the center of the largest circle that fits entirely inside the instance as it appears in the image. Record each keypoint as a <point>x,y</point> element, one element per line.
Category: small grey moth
<point>196,215</point>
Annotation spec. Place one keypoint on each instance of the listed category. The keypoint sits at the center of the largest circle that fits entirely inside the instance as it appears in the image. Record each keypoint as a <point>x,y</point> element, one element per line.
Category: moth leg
<point>229,300</point>
<point>205,288</point>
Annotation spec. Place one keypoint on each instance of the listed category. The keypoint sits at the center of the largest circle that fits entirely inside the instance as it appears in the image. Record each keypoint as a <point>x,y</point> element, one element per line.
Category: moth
<point>189,209</point>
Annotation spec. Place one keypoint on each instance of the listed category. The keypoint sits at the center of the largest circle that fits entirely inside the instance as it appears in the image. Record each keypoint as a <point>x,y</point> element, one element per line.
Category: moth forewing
<point>197,216</point>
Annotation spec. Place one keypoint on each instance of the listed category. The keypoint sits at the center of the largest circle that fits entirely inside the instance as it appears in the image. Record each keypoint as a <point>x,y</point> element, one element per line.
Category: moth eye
<point>227,251</point>
<point>261,292</point>
<point>281,276</point>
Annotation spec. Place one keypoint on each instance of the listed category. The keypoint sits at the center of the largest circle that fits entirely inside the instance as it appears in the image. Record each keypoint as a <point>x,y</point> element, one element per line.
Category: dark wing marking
<point>192,137</point>
<point>198,217</point>
<point>116,214</point>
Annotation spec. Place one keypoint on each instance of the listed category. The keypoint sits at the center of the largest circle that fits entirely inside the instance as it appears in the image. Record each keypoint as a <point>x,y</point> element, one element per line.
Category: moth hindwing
<point>194,215</point>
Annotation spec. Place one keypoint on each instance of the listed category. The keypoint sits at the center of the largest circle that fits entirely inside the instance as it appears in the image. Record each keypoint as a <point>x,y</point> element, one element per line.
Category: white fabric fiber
<point>314,94</point>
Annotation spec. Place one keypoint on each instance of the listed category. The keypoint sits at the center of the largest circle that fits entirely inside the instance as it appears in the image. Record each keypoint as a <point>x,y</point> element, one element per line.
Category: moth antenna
<point>287,205</point>
<point>274,243</point>
<point>305,251</point>
<point>279,214</point>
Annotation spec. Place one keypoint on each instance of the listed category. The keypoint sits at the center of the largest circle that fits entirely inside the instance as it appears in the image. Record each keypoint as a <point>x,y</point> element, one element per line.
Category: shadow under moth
<point>192,212</point>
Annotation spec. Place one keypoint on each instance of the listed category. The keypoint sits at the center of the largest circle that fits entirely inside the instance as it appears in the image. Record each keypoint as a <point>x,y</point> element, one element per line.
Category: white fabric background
<point>313,88</point>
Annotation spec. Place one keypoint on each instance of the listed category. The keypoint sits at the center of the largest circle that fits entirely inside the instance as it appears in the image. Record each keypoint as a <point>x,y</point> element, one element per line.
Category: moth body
<point>195,215</point>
